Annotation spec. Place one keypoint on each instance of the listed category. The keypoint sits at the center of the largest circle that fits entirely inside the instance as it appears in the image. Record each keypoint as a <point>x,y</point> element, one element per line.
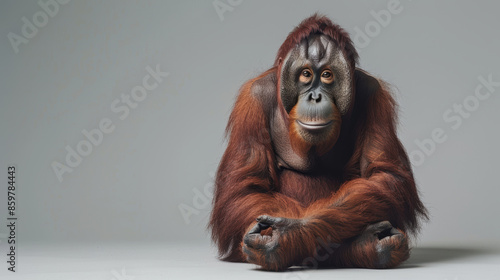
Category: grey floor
<point>191,261</point>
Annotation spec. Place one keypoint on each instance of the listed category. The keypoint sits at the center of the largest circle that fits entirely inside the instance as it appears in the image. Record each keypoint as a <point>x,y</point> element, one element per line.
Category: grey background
<point>129,189</point>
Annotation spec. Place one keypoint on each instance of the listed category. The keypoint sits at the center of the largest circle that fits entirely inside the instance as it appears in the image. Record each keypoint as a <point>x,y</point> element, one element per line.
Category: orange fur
<point>368,179</point>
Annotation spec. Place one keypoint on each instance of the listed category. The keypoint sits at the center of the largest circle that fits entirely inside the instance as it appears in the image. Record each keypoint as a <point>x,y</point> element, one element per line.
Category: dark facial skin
<point>316,90</point>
